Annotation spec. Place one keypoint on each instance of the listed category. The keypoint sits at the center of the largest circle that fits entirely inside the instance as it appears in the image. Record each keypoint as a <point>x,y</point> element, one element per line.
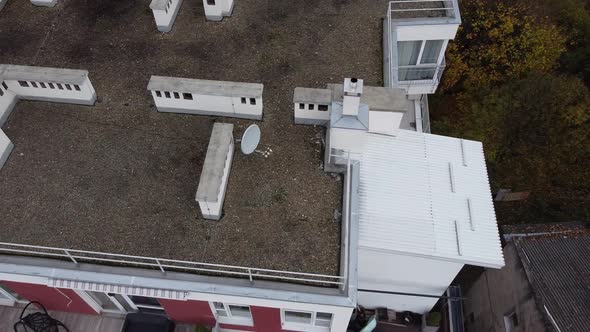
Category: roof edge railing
<point>166,265</point>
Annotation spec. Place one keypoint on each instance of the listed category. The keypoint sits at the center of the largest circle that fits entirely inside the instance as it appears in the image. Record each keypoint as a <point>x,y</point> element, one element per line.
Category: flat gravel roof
<point>120,177</point>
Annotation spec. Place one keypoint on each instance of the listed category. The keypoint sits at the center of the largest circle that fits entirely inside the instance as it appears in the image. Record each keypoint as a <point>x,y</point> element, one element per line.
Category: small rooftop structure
<point>428,195</point>
<point>215,172</point>
<point>205,97</point>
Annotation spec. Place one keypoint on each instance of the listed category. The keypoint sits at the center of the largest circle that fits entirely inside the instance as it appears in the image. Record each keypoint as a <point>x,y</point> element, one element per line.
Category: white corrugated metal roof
<point>428,195</point>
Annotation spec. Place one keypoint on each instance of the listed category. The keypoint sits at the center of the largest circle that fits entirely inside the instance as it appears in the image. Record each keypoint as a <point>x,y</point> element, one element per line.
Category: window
<point>301,106</point>
<point>167,94</point>
<point>51,86</point>
<point>1,93</point>
<point>298,317</point>
<point>5,85</point>
<point>146,302</point>
<point>243,100</point>
<point>252,101</point>
<point>158,94</point>
<point>42,85</point>
<point>303,320</point>
<point>311,107</point>
<point>323,319</point>
<point>23,84</point>
<point>77,87</point>
<point>59,86</point>
<point>69,87</point>
<point>187,96</point>
<point>34,84</point>
<point>418,59</point>
<point>211,2</point>
<point>322,108</point>
<point>176,95</point>
<point>232,313</point>
<point>510,321</point>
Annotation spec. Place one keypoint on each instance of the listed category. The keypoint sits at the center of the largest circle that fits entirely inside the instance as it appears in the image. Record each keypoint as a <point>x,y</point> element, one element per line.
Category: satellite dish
<point>250,139</point>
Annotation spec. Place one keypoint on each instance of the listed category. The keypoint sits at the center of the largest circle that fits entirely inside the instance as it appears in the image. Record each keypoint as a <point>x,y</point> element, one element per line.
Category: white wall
<point>217,9</point>
<point>426,32</point>
<point>5,148</point>
<point>68,93</point>
<point>311,117</point>
<point>7,102</point>
<point>341,315</point>
<point>165,17</point>
<point>209,105</point>
<point>402,273</point>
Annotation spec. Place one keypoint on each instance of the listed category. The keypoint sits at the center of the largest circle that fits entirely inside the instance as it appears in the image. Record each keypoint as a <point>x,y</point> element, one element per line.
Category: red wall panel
<point>266,319</point>
<point>58,299</point>
<point>194,312</point>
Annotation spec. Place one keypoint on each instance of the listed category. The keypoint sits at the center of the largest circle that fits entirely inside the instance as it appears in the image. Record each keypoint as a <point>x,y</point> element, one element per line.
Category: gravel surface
<point>120,177</point>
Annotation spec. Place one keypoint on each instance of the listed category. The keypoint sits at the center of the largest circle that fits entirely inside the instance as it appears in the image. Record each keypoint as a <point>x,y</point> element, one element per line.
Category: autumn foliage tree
<point>497,41</point>
<point>503,86</point>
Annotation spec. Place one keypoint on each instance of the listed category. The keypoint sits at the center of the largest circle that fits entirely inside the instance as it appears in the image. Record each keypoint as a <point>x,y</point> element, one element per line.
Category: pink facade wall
<point>58,299</point>
<point>194,312</point>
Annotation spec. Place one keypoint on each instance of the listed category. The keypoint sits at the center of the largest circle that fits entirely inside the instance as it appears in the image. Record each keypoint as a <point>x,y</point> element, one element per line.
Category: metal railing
<point>403,9</point>
<point>165,265</point>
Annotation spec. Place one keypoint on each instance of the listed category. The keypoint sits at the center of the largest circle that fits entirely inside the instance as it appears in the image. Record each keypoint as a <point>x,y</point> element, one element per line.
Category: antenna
<point>250,139</point>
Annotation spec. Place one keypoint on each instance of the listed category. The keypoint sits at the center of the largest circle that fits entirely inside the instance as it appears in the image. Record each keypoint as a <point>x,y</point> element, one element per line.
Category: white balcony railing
<point>408,9</point>
<point>165,265</point>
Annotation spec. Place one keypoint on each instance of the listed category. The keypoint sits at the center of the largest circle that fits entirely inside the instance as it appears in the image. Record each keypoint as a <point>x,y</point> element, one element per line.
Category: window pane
<point>221,312</point>
<point>11,292</point>
<point>298,317</point>
<point>240,311</point>
<point>416,73</point>
<point>323,319</point>
<point>218,305</point>
<point>431,51</point>
<point>408,51</point>
<point>142,300</point>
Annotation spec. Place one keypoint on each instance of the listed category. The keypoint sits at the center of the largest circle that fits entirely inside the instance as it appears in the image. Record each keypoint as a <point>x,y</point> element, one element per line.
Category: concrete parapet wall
<point>204,97</point>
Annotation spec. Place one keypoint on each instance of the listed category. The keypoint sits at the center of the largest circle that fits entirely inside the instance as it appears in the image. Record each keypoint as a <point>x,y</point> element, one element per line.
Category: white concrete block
<point>7,101</point>
<point>6,147</point>
<point>312,106</point>
<point>44,3</point>
<point>204,97</point>
<point>165,12</point>
<point>39,83</point>
<point>50,84</point>
<point>215,10</point>
<point>3,3</point>
<point>215,172</point>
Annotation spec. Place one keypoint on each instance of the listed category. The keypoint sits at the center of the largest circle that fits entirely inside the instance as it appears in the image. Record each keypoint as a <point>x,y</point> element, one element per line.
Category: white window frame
<point>230,319</point>
<point>418,64</point>
<point>312,327</point>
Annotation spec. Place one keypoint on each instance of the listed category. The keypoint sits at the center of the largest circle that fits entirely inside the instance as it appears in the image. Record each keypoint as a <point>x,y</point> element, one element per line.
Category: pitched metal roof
<point>558,269</point>
<point>428,195</point>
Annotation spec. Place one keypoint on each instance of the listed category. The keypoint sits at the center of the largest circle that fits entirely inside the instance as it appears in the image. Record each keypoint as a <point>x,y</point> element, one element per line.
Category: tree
<point>536,135</point>
<point>497,42</point>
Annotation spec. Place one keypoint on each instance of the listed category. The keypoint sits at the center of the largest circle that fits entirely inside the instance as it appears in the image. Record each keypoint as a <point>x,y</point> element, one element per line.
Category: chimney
<point>353,88</point>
